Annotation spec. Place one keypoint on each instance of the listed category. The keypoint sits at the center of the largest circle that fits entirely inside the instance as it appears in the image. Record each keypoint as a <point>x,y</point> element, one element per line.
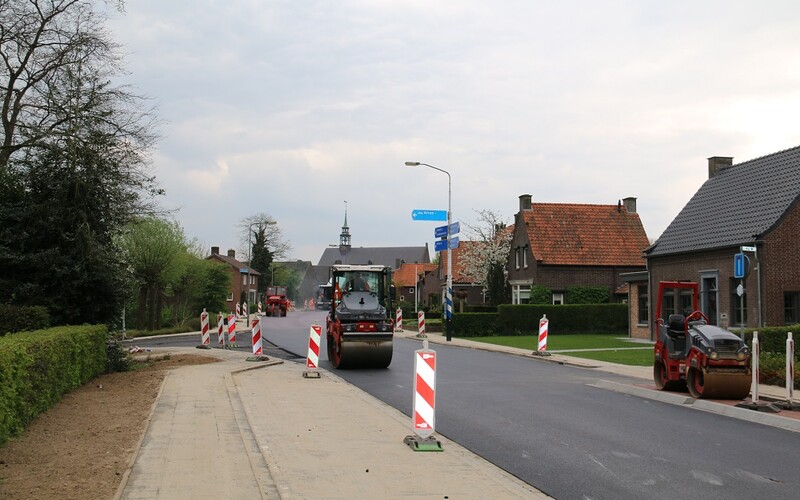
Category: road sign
<point>429,214</point>
<point>748,249</point>
<point>441,231</point>
<point>454,242</point>
<point>441,245</point>
<point>741,265</point>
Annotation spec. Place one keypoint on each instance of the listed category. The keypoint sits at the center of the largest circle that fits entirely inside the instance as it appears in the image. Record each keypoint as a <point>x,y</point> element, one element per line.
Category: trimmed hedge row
<point>772,338</point>
<point>37,368</point>
<point>524,319</point>
<point>15,318</point>
<point>564,319</point>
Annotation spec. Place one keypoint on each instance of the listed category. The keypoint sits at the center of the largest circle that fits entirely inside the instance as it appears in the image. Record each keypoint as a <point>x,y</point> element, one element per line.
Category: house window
<point>517,257</point>
<point>230,297</point>
<point>244,279</point>
<point>667,305</point>
<point>738,304</point>
<point>521,294</point>
<point>708,297</point>
<point>558,298</point>
<point>791,308</point>
<point>643,311</point>
<point>525,256</point>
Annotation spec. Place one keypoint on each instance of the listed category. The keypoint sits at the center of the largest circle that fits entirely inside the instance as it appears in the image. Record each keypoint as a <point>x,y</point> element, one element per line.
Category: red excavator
<point>691,353</point>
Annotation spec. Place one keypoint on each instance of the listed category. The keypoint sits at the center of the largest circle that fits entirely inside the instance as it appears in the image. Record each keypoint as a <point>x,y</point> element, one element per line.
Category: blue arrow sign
<point>429,214</point>
<point>741,265</point>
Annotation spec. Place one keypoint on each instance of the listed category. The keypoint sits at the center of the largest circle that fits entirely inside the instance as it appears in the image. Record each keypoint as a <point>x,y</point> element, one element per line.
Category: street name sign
<point>441,231</point>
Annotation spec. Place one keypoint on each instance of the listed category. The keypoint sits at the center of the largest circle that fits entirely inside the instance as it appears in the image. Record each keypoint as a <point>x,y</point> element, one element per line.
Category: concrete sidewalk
<point>238,429</point>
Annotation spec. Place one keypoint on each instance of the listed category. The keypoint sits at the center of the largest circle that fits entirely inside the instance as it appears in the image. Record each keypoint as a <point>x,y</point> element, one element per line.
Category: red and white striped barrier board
<point>424,411</point>
<point>257,336</point>
<point>421,324</point>
<point>398,325</point>
<point>314,335</point>
<point>220,329</point>
<point>544,324</point>
<point>205,335</point>
<point>232,329</point>
<point>259,309</point>
<point>790,369</point>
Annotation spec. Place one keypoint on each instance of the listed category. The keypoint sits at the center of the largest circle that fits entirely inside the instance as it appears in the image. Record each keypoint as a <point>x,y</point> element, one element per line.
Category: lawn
<point>610,343</point>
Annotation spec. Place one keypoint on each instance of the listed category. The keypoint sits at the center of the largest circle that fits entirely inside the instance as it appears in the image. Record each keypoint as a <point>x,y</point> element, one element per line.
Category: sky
<point>292,108</point>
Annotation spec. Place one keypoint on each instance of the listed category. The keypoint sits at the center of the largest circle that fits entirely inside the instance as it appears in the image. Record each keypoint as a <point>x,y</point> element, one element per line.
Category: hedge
<point>15,318</point>
<point>474,324</point>
<point>37,368</point>
<point>564,319</point>
<point>772,338</point>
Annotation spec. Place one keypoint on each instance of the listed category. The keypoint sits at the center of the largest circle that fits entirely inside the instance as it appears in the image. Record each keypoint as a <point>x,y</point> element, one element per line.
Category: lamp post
<point>448,296</point>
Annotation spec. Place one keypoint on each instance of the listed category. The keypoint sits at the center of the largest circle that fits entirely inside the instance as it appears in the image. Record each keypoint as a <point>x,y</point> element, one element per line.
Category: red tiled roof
<point>585,235</point>
<point>404,276</point>
<point>459,274</point>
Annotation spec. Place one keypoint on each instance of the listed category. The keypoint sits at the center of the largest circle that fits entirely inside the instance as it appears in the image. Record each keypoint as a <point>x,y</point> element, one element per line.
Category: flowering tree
<point>485,259</point>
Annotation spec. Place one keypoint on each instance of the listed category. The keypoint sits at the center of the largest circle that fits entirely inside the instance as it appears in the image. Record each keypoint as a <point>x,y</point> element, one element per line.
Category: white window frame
<point>558,298</point>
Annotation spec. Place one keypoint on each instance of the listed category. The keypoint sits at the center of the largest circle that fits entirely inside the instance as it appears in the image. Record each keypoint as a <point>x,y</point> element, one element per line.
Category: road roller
<point>360,326</point>
<point>692,354</point>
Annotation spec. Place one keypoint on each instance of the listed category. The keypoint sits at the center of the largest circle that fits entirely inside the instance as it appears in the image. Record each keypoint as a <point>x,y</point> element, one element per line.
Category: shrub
<point>37,368</point>
<point>474,324</point>
<point>14,318</point>
<point>564,319</point>
<point>541,295</point>
<point>587,295</point>
<point>117,358</point>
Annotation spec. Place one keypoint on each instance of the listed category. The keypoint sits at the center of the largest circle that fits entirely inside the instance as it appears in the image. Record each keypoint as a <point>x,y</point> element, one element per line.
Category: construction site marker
<point>398,325</point>
<point>232,330</point>
<point>423,413</point>
<point>754,403</point>
<point>259,309</point>
<point>421,325</point>
<point>258,354</point>
<point>544,325</point>
<point>205,335</point>
<point>790,403</point>
<point>312,361</point>
<point>220,329</point>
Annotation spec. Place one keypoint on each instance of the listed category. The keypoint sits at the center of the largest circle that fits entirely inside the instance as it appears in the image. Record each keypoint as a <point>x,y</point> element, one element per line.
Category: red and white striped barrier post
<point>421,324</point>
<point>790,369</point>
<point>312,361</point>
<point>205,335</point>
<point>221,329</point>
<point>398,324</point>
<point>544,325</point>
<point>424,407</point>
<point>260,313</point>
<point>238,310</point>
<point>257,351</point>
<point>245,311</point>
<point>232,331</point>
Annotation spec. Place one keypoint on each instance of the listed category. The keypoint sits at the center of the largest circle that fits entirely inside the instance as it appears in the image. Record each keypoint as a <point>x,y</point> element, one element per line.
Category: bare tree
<point>486,258</point>
<point>39,39</point>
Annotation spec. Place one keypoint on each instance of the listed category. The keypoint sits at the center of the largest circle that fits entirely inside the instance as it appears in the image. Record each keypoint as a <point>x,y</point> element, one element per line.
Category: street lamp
<point>448,296</point>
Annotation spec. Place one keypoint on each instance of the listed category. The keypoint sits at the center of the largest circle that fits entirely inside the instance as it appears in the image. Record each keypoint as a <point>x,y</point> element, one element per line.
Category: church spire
<point>344,237</point>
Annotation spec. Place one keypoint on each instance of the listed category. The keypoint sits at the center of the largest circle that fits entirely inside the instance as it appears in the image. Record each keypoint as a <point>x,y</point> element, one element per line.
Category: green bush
<point>540,295</point>
<point>15,318</point>
<point>564,319</point>
<point>773,338</point>
<point>37,368</point>
<point>474,324</point>
<point>482,308</point>
<point>772,369</point>
<point>117,358</point>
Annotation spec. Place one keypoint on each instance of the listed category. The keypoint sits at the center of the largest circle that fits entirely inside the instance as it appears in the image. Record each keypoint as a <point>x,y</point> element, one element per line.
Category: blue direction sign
<point>441,231</point>
<point>429,214</point>
<point>441,245</point>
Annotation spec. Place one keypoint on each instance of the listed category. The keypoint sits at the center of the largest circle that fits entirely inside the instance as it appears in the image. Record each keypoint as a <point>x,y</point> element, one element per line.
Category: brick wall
<point>780,260</point>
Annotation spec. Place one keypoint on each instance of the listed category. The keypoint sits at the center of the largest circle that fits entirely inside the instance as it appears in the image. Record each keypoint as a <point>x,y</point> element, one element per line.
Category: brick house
<point>753,205</point>
<point>239,277</point>
<point>561,245</point>
<point>410,279</point>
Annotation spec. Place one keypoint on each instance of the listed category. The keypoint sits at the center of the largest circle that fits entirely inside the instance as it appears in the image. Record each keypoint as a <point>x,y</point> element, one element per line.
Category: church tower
<point>344,237</point>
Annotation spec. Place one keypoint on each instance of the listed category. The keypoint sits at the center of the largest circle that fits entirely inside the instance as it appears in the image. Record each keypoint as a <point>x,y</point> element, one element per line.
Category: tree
<point>72,161</point>
<point>485,260</point>
<point>267,245</point>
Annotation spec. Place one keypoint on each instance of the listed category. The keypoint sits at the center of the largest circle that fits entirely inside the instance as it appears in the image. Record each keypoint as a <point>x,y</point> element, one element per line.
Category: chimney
<point>524,202</point>
<point>717,164</point>
<point>630,204</point>
<point>214,250</point>
<point>232,253</point>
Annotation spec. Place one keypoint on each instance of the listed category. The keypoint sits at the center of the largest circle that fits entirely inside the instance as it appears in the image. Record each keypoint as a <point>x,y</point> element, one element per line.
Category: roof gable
<point>236,264</point>
<point>404,276</point>
<point>737,206</point>
<point>387,256</point>
<point>585,235</point>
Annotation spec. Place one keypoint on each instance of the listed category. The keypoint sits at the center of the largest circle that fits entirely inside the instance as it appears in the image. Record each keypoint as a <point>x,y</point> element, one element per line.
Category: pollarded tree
<point>486,258</point>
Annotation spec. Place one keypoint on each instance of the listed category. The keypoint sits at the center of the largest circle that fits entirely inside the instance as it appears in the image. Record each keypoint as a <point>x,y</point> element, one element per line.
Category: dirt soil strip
<point>83,447</point>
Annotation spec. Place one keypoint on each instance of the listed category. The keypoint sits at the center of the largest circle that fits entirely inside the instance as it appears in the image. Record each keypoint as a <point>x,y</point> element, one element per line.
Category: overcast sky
<point>292,107</point>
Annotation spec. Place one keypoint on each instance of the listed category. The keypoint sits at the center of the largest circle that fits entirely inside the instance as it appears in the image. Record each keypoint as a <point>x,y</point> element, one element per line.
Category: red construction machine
<point>691,353</point>
<point>277,303</point>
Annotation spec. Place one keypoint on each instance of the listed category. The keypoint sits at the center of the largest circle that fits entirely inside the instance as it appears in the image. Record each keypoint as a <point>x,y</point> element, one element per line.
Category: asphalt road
<point>545,424</point>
